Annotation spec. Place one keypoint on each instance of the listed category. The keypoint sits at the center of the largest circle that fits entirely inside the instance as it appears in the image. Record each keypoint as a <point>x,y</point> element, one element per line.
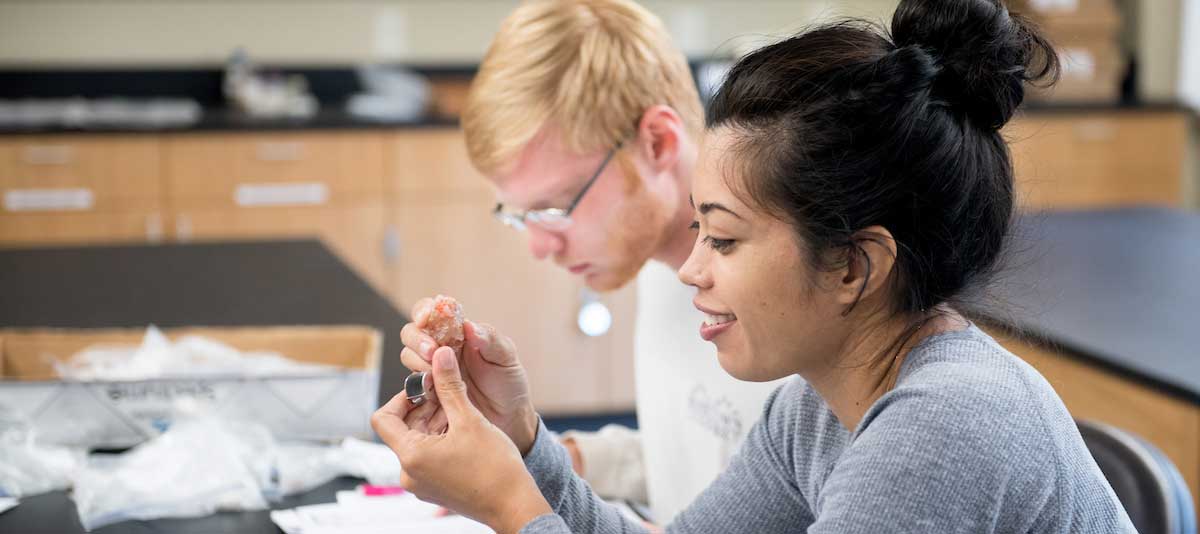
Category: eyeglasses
<point>553,219</point>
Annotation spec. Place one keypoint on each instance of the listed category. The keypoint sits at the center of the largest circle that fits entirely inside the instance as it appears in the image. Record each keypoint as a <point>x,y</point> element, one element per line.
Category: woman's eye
<point>719,245</point>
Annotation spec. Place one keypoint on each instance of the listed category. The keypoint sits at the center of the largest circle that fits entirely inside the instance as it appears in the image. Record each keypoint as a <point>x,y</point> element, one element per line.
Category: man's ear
<point>870,260</point>
<point>660,133</point>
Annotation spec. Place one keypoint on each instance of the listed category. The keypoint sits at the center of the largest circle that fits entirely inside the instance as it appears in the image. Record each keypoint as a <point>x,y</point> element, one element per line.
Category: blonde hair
<point>590,67</point>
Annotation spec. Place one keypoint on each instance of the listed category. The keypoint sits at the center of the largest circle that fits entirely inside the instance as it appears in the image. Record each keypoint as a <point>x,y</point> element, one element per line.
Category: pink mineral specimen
<point>445,323</point>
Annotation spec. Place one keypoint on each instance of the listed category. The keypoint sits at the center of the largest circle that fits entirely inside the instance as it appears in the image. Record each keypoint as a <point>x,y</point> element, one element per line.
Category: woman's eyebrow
<point>710,206</point>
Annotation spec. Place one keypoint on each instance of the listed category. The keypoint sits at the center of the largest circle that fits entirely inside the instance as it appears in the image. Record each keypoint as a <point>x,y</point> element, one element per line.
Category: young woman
<point>851,186</point>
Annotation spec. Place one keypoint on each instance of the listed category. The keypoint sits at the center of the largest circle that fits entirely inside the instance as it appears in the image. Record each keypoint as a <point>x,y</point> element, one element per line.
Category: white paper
<point>7,503</point>
<point>362,514</point>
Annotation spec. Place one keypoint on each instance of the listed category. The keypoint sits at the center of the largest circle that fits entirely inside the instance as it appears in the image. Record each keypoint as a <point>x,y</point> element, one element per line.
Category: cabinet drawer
<point>79,173</point>
<point>433,161</point>
<point>286,169</point>
<point>355,232</point>
<point>69,228</point>
<point>1099,160</point>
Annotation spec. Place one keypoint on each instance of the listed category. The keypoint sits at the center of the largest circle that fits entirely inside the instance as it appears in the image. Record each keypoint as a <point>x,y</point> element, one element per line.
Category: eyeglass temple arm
<point>592,180</point>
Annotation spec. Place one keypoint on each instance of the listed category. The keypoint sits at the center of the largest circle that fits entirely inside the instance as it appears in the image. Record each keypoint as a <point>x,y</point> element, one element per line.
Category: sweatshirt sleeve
<point>612,462</point>
<point>576,507</point>
<point>756,493</point>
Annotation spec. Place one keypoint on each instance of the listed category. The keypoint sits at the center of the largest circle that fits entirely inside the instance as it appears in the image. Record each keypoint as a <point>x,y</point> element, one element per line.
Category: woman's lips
<point>711,331</point>
<point>579,269</point>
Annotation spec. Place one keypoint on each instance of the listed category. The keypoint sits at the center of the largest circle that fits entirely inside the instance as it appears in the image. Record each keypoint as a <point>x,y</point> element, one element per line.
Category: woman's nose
<point>692,272</point>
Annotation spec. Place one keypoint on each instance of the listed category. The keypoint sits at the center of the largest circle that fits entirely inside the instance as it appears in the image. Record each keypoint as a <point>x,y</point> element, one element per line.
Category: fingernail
<point>446,359</point>
<point>426,350</point>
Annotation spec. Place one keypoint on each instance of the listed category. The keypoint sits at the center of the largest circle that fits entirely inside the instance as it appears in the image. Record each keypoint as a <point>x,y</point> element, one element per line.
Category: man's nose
<point>543,243</point>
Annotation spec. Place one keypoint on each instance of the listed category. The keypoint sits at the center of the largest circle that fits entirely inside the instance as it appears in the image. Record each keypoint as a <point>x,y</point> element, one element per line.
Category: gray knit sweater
<point>972,440</point>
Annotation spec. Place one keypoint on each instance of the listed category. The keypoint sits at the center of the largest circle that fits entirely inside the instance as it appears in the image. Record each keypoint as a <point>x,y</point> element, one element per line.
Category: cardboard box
<point>1091,73</point>
<point>1086,34</point>
<point>1070,18</point>
<point>121,414</point>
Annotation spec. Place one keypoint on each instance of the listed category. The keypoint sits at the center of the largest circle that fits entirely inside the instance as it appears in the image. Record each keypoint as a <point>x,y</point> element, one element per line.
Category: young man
<point>585,118</point>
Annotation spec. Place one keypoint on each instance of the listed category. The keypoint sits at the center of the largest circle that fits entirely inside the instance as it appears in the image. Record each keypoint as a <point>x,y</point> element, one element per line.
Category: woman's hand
<point>472,468</point>
<point>493,375</point>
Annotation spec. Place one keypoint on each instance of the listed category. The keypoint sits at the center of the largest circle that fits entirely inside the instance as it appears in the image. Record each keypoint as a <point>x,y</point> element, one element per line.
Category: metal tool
<point>416,386</point>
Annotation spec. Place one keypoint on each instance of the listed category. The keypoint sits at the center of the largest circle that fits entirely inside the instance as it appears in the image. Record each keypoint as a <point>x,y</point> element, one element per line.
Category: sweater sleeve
<point>754,494</point>
<point>576,507</point>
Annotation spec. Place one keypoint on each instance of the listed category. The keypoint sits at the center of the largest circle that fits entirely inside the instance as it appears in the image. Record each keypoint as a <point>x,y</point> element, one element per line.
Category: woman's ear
<point>870,259</point>
<point>660,133</point>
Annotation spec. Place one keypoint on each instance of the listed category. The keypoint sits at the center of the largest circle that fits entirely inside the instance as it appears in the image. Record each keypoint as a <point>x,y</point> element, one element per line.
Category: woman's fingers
<point>413,362</point>
<point>416,339</point>
<point>388,420</point>
<point>493,347</point>
<point>451,389</point>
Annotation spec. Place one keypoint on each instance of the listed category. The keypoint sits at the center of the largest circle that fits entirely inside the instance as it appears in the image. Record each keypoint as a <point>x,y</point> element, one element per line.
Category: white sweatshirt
<point>691,414</point>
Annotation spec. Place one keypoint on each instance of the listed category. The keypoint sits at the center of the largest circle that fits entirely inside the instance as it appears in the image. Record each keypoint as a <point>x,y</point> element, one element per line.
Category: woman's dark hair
<point>846,126</point>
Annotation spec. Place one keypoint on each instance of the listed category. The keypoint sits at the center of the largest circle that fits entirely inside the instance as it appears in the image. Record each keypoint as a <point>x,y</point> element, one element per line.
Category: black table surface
<point>213,284</point>
<point>54,513</point>
<point>1118,288</point>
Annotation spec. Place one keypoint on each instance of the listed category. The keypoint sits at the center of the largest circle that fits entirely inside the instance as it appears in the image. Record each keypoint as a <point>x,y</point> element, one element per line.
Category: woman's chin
<point>735,366</point>
<point>738,366</point>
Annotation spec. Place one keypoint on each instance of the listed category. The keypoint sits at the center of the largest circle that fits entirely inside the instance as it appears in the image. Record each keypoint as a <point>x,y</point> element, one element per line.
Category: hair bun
<point>986,55</point>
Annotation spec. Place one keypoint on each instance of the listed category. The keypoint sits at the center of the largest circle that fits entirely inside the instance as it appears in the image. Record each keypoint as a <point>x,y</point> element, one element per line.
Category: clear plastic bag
<point>197,467</point>
<point>301,467</point>
<point>29,468</point>
<point>203,464</point>
<point>190,356</point>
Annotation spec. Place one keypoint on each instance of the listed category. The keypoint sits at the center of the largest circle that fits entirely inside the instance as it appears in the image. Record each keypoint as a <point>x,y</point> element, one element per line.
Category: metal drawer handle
<point>280,151</point>
<point>48,154</point>
<point>1096,131</point>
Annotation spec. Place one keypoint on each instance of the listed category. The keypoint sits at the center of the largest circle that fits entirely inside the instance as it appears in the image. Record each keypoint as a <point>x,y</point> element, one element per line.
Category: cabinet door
<point>1099,160</point>
<point>79,173</point>
<point>248,170</point>
<point>354,231</point>
<point>435,162</point>
<point>72,228</point>
<point>451,245</point>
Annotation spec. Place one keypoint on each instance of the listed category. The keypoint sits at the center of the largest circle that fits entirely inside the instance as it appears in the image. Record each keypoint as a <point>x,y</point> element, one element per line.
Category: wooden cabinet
<point>1078,160</point>
<point>59,190</point>
<point>446,241</point>
<point>433,162</point>
<point>225,186</point>
<point>80,173</point>
<point>288,169</point>
<point>1171,424</point>
<point>74,228</point>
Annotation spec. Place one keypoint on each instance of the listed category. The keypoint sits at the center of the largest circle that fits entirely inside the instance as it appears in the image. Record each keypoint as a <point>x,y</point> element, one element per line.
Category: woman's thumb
<point>448,381</point>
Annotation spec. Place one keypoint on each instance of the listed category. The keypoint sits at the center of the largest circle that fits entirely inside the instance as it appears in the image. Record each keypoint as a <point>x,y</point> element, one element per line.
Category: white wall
<point>178,32</point>
<point>47,32</point>
<point>1189,57</point>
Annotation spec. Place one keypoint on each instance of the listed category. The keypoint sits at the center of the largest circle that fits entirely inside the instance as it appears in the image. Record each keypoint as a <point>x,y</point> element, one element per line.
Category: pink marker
<point>375,491</point>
